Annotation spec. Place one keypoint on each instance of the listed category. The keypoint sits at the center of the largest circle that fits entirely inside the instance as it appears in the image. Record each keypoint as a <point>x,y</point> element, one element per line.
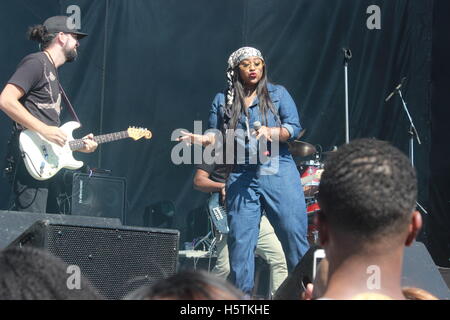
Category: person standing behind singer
<point>254,188</point>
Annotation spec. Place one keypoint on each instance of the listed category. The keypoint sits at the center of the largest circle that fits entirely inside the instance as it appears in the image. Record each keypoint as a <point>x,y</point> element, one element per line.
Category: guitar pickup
<point>218,213</point>
<point>44,152</point>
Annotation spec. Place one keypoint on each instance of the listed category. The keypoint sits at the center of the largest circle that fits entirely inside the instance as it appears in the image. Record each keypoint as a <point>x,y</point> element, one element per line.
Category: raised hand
<point>191,138</point>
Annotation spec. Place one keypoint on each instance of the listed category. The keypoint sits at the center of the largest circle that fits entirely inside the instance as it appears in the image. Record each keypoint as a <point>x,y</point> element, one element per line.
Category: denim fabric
<point>268,247</point>
<point>283,103</point>
<point>250,190</point>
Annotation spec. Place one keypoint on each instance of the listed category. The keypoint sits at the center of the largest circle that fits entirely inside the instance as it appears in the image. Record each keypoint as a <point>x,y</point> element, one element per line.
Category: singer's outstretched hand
<point>199,139</point>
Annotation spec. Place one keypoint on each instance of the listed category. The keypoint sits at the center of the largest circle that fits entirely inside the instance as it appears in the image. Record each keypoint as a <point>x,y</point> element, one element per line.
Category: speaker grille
<point>98,196</point>
<point>116,261</point>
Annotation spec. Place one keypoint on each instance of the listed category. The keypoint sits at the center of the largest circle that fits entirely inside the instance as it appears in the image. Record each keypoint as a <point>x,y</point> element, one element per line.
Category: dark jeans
<point>32,195</point>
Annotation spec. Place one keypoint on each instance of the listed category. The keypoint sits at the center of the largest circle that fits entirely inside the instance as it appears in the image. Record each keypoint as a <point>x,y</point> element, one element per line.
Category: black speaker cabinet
<point>420,271</point>
<point>98,196</point>
<point>14,223</point>
<point>115,260</point>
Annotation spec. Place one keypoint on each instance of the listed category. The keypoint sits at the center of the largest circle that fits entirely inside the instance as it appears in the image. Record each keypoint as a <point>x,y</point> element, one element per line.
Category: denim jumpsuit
<point>252,189</point>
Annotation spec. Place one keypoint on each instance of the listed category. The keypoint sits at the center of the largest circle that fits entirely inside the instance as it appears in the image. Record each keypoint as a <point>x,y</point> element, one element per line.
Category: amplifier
<point>116,260</point>
<point>98,196</point>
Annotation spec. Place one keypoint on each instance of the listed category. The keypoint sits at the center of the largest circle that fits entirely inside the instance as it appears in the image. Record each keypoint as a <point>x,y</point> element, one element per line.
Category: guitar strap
<point>68,104</point>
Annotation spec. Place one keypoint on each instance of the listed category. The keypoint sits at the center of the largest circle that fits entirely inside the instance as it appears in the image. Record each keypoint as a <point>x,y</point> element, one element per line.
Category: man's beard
<point>70,55</point>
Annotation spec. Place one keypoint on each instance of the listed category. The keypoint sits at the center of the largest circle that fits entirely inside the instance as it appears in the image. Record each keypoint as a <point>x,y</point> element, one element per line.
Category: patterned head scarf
<point>233,61</point>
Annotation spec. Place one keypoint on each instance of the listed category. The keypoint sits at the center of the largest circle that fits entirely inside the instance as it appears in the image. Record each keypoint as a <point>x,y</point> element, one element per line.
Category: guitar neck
<point>79,144</point>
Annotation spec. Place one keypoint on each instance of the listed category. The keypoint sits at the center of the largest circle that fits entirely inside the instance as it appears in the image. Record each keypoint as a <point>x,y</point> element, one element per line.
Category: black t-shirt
<point>217,172</point>
<point>38,78</point>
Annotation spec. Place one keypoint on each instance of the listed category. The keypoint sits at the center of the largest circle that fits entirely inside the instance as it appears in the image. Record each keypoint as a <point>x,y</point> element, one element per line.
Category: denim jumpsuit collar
<point>272,89</point>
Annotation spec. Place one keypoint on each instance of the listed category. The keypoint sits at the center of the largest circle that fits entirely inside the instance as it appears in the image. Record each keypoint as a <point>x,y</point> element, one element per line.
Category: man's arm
<point>203,183</point>
<point>10,104</point>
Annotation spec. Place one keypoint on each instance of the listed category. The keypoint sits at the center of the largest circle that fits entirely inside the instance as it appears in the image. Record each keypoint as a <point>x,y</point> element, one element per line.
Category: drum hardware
<point>331,152</point>
<point>312,208</point>
<point>301,149</point>
<point>310,173</point>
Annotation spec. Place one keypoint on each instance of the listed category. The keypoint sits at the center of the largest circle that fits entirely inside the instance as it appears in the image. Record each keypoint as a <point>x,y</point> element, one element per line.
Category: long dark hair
<point>238,106</point>
<point>39,33</point>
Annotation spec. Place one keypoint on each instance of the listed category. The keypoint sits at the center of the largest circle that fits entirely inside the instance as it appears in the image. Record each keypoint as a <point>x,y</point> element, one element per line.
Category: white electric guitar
<point>43,159</point>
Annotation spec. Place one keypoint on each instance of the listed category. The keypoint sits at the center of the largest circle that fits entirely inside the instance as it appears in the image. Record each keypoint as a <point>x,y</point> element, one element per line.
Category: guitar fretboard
<point>79,144</point>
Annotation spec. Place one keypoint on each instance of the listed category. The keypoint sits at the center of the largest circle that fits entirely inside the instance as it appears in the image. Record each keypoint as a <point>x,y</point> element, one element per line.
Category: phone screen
<point>319,254</point>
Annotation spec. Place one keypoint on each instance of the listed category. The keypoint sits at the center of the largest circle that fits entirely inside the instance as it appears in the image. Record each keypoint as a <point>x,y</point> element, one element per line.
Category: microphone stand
<point>347,57</point>
<point>412,133</point>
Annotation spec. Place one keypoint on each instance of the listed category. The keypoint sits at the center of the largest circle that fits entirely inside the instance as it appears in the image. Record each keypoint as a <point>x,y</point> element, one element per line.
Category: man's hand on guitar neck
<point>89,144</point>
<point>56,135</point>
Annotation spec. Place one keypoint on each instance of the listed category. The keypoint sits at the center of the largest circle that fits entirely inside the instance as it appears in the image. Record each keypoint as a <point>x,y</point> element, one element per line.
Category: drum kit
<point>310,166</point>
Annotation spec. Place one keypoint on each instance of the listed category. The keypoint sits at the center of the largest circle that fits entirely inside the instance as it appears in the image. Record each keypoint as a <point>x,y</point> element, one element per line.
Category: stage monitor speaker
<point>115,260</point>
<point>14,223</point>
<point>420,271</point>
<point>98,196</point>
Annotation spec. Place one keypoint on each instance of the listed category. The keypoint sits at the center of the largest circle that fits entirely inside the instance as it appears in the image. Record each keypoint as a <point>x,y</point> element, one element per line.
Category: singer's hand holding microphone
<point>262,131</point>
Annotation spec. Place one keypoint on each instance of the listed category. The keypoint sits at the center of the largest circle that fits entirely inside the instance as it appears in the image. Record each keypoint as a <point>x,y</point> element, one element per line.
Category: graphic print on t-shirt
<point>51,78</point>
<point>38,78</point>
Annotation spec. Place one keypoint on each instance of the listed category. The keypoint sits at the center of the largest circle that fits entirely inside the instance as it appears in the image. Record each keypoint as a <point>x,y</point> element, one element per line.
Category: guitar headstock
<point>138,133</point>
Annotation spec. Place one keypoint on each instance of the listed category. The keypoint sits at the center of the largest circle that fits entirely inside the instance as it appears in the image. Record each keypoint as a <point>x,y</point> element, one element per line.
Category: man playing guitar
<point>32,99</point>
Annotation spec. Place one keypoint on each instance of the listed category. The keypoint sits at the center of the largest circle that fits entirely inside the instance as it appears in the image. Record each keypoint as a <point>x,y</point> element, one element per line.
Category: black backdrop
<point>158,64</point>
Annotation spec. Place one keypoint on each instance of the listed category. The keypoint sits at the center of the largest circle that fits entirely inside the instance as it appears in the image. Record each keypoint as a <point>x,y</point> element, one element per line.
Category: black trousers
<point>30,194</point>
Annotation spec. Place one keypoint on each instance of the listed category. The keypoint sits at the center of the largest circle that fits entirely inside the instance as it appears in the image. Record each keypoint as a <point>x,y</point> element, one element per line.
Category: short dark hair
<point>368,189</point>
<point>34,274</point>
<point>188,285</point>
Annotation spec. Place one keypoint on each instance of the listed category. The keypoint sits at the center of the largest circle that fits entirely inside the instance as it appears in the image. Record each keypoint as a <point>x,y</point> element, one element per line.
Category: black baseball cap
<point>61,24</point>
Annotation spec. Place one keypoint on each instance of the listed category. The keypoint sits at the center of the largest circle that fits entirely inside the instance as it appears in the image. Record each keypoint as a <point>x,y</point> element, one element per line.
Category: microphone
<point>347,55</point>
<point>257,125</point>
<point>395,90</point>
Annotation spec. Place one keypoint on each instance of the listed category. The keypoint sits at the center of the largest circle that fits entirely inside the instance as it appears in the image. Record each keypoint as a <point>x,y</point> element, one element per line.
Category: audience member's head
<point>367,196</point>
<point>33,274</point>
<point>417,294</point>
<point>188,285</point>
<point>370,296</point>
